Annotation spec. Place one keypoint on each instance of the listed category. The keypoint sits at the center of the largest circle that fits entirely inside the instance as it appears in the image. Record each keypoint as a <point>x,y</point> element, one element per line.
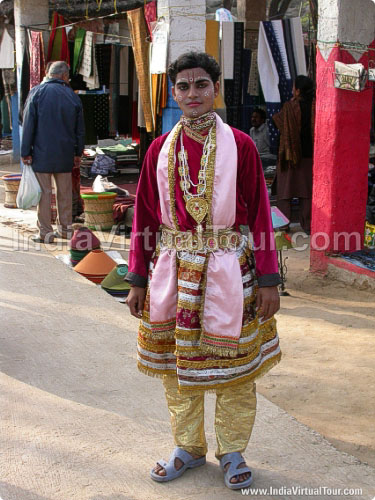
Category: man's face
<point>256,120</point>
<point>195,92</point>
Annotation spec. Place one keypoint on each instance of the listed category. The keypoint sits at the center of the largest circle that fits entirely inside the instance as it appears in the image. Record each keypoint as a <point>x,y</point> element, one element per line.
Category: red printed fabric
<point>58,49</point>
<point>37,65</point>
<point>150,15</point>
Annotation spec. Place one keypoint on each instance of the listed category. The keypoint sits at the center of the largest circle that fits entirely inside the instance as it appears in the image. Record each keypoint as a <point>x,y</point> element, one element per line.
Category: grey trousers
<point>63,182</point>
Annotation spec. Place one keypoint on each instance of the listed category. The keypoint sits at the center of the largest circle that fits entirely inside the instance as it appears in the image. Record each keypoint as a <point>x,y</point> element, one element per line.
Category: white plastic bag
<point>29,191</point>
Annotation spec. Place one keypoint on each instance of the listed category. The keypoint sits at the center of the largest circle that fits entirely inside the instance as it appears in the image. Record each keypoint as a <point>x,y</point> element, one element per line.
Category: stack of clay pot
<point>81,244</point>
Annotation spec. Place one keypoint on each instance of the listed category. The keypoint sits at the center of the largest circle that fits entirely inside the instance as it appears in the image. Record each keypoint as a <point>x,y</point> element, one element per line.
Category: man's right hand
<point>27,160</point>
<point>136,300</point>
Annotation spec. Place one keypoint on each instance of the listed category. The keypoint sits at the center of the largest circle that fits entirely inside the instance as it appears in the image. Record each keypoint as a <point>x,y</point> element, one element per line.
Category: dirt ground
<point>326,378</point>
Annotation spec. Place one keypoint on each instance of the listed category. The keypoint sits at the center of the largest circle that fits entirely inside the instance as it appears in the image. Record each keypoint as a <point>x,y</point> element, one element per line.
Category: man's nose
<point>192,91</point>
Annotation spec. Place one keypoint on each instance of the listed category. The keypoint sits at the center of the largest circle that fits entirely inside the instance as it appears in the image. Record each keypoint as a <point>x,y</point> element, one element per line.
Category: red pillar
<point>342,141</point>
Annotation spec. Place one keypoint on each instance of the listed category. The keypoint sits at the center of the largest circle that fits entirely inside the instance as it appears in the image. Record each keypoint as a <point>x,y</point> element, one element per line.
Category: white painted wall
<point>187,25</point>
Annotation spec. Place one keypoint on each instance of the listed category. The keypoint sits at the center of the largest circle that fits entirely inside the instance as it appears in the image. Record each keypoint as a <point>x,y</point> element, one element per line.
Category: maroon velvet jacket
<point>252,208</point>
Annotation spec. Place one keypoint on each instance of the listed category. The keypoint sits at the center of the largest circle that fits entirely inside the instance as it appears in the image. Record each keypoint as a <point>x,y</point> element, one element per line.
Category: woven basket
<point>11,184</point>
<point>99,210</point>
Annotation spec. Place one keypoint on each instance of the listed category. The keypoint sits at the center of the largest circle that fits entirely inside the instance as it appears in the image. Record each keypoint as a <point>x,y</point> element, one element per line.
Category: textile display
<point>78,49</point>
<point>253,83</point>
<point>58,49</point>
<point>139,35</point>
<point>6,51</point>
<point>269,79</point>
<point>159,48</point>
<point>285,86</point>
<point>289,49</point>
<point>92,81</point>
<point>86,67</point>
<point>298,45</point>
<point>103,60</point>
<point>124,71</point>
<point>213,48</point>
<point>37,66</point>
<point>114,90</point>
<point>150,16</point>
<point>101,113</point>
<point>24,81</point>
<point>227,51</point>
<point>103,165</point>
<point>247,103</point>
<point>237,84</point>
<point>279,34</point>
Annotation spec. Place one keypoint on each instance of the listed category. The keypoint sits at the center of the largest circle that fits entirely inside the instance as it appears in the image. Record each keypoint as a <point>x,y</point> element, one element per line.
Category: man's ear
<point>216,88</point>
<point>173,93</point>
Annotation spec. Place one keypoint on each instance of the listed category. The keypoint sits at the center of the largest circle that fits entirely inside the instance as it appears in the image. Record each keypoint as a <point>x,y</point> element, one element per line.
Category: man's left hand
<point>268,302</point>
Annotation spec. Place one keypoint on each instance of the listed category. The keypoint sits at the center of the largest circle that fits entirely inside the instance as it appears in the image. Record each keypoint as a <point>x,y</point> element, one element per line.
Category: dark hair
<point>191,60</point>
<point>260,112</point>
<point>306,87</point>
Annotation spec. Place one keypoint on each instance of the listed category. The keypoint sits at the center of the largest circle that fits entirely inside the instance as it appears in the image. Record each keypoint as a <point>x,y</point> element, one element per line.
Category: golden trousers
<point>234,417</point>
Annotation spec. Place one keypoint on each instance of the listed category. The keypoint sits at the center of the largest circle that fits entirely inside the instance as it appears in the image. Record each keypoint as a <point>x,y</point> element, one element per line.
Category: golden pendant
<point>197,208</point>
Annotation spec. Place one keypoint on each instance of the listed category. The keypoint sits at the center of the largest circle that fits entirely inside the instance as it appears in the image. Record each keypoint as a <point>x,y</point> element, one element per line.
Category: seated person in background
<point>259,134</point>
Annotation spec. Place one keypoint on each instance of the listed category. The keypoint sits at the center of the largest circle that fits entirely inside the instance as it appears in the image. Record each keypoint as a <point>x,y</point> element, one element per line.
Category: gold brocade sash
<point>207,241</point>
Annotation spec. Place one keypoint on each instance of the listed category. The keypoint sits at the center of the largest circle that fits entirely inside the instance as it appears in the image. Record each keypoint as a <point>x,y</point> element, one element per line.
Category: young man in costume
<point>206,301</point>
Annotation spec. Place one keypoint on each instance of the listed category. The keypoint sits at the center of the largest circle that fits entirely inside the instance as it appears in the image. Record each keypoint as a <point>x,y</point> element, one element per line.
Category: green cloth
<point>78,49</point>
<point>283,241</point>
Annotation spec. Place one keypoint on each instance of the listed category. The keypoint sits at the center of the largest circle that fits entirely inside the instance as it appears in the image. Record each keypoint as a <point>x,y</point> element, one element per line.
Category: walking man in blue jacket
<point>53,140</point>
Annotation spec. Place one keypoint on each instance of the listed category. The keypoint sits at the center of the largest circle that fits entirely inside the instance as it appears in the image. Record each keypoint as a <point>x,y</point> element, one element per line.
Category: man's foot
<point>63,236</point>
<point>231,464</point>
<point>42,239</point>
<point>241,477</point>
<point>179,462</point>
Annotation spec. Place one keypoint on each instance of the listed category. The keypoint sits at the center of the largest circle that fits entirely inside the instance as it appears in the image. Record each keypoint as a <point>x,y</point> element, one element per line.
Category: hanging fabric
<point>150,16</point>
<point>86,66</point>
<point>124,71</point>
<point>159,48</point>
<point>6,51</point>
<point>24,81</point>
<point>78,49</point>
<point>227,47</point>
<point>139,35</point>
<point>213,49</point>
<point>289,49</point>
<point>37,65</point>
<point>58,49</point>
<point>298,45</point>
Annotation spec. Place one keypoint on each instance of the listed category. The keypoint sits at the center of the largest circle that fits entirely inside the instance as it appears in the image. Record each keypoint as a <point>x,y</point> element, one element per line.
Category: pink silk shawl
<point>223,307</point>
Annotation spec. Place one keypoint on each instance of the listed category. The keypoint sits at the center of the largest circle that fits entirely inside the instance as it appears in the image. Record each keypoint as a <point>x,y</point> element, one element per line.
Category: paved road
<point>78,422</point>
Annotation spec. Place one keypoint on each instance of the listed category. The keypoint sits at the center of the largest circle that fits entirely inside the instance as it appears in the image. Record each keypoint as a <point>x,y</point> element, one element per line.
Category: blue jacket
<point>53,127</point>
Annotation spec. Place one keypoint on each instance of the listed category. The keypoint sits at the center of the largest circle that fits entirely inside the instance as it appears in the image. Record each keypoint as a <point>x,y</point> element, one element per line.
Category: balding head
<point>59,69</point>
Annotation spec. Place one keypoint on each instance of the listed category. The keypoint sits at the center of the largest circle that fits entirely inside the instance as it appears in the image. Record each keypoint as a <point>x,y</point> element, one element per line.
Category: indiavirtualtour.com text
<point>300,491</point>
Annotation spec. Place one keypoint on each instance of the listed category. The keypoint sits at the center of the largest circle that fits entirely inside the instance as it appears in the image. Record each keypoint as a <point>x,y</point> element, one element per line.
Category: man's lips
<point>194,104</point>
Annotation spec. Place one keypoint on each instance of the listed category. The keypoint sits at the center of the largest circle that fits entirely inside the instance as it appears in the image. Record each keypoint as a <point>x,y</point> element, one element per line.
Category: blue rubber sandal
<point>171,472</point>
<point>235,459</point>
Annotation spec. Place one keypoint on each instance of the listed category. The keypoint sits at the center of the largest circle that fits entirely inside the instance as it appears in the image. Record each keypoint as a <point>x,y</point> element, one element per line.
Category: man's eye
<point>182,87</point>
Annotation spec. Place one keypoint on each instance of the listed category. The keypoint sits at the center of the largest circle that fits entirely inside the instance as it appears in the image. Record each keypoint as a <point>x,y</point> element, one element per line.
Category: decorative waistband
<point>206,241</point>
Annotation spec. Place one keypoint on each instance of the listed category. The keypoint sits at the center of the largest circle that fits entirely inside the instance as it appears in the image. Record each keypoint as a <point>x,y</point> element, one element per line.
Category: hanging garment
<point>213,49</point>
<point>237,74</point>
<point>114,90</point>
<point>92,81</point>
<point>138,31</point>
<point>37,66</point>
<point>24,81</point>
<point>103,60</point>
<point>285,86</point>
<point>86,67</point>
<point>279,34</point>
<point>6,51</point>
<point>298,45</point>
<point>58,49</point>
<point>269,79</point>
<point>227,48</point>
<point>289,49</point>
<point>253,83</point>
<point>159,48</point>
<point>78,49</point>
<point>124,71</point>
<point>150,16</point>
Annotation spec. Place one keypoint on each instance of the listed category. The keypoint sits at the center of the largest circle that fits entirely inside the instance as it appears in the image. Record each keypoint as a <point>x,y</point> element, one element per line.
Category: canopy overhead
<point>79,8</point>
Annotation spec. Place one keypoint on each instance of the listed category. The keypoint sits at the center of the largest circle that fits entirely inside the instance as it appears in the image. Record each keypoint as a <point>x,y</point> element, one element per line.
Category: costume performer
<point>205,299</point>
